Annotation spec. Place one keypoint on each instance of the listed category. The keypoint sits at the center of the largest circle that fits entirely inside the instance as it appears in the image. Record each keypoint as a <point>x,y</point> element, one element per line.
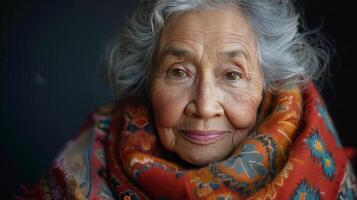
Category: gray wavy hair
<point>288,55</point>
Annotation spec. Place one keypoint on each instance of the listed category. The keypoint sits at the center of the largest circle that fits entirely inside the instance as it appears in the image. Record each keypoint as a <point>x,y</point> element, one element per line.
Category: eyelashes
<point>184,71</point>
<point>177,73</point>
<point>233,75</point>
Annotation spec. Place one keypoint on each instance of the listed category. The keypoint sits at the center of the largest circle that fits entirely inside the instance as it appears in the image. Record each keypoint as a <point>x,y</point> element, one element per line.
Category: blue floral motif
<point>305,191</point>
<point>247,162</point>
<point>319,152</point>
<point>316,146</point>
<point>114,183</point>
<point>132,128</point>
<point>328,165</point>
<point>149,127</point>
<point>328,122</point>
<point>128,194</point>
<point>179,174</point>
<point>213,186</point>
<point>104,124</point>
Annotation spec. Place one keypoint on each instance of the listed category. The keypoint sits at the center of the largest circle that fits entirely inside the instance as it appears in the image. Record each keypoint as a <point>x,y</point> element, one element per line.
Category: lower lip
<point>199,137</point>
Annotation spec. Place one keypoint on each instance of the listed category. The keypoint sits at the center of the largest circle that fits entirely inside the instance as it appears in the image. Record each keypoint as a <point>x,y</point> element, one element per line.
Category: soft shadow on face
<point>207,85</point>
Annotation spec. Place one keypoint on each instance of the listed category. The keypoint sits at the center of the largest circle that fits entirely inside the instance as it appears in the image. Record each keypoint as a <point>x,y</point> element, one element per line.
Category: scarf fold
<point>294,153</point>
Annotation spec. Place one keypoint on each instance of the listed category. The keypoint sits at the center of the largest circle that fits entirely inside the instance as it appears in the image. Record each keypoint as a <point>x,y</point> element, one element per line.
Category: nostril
<point>204,110</point>
<point>191,109</point>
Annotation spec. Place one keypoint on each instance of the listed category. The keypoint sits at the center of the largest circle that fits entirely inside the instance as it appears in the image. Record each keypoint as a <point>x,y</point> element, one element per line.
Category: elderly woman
<point>215,101</point>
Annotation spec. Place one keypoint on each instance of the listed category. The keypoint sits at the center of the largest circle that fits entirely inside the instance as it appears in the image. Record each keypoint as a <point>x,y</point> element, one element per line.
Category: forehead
<point>221,25</point>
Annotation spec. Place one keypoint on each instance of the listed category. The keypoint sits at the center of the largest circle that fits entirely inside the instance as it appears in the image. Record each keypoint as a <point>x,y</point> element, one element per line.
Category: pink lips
<point>203,137</point>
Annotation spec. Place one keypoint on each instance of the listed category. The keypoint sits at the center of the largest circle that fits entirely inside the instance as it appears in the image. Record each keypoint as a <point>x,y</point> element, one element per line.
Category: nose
<point>206,101</point>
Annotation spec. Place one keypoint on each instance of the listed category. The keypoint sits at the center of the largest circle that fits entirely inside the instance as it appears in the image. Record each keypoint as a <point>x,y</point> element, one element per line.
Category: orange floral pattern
<point>294,153</point>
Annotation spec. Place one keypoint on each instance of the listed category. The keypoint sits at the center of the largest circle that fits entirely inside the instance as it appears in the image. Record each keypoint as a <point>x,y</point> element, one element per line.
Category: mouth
<point>202,137</point>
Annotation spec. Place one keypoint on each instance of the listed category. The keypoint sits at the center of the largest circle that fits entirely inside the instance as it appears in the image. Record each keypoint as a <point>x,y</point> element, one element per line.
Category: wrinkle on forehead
<point>206,38</point>
<point>207,29</point>
<point>211,21</point>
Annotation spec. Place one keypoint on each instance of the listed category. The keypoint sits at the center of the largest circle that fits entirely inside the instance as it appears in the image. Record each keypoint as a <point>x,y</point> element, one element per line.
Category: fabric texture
<point>294,153</point>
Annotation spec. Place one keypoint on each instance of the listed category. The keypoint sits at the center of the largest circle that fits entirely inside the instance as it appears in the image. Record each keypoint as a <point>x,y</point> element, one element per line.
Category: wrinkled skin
<point>207,78</point>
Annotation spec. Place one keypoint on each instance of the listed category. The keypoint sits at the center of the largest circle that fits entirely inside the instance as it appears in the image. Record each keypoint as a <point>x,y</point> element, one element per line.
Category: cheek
<point>242,108</point>
<point>168,104</point>
<point>167,138</point>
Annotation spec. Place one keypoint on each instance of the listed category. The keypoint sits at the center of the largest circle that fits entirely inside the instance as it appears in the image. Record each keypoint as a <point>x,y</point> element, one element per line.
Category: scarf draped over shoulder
<point>294,153</point>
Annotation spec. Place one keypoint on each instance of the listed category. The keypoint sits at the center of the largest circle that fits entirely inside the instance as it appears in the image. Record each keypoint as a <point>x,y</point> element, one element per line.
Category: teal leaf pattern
<point>248,162</point>
<point>323,113</point>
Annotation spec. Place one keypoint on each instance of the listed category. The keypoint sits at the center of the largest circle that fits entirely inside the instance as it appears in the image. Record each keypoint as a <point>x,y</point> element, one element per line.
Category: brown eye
<point>233,75</point>
<point>177,73</point>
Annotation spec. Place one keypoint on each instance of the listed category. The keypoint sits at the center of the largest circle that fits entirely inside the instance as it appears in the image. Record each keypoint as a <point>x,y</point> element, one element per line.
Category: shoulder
<point>78,171</point>
<point>85,154</point>
<point>96,125</point>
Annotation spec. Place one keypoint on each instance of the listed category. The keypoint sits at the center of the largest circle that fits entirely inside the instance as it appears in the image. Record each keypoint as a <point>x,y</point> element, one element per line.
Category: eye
<point>177,73</point>
<point>233,75</point>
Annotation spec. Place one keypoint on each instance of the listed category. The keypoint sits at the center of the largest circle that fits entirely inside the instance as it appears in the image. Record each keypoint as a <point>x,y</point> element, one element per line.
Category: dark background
<point>50,58</point>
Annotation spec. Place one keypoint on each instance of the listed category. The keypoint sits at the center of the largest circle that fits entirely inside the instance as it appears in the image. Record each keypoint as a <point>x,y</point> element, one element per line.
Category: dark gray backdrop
<point>50,58</point>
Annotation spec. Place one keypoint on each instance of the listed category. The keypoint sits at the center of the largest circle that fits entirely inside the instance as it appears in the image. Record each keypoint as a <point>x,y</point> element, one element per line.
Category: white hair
<point>288,54</point>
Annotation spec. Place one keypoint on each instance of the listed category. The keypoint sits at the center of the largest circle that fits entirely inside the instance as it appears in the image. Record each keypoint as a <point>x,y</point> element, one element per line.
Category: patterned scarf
<point>294,153</point>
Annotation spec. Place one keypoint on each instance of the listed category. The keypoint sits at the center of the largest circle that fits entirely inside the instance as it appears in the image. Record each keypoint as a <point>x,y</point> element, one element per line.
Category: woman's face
<point>207,85</point>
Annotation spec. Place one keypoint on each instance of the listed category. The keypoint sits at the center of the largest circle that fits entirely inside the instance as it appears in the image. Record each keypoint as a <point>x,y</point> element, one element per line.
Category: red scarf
<point>295,153</point>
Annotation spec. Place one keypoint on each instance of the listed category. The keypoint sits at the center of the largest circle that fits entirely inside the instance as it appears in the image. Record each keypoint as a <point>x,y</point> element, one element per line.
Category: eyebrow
<point>232,53</point>
<point>181,52</point>
<point>177,52</point>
